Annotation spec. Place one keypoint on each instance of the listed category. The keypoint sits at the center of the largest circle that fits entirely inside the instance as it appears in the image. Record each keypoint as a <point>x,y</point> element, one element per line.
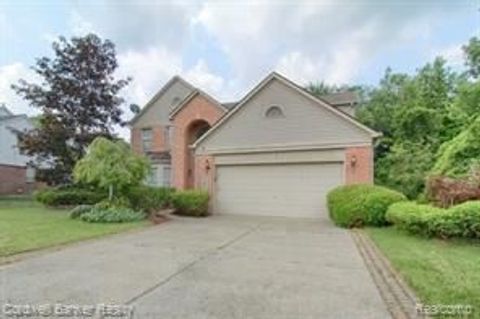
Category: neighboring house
<point>15,176</point>
<point>277,151</point>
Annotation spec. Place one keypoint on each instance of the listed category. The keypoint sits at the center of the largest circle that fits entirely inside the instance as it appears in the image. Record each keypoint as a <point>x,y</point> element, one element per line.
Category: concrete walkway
<point>217,267</point>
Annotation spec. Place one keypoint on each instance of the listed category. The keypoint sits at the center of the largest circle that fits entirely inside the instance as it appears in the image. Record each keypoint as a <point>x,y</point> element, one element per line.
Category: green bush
<point>359,205</point>
<point>80,210</point>
<point>191,203</point>
<point>414,218</point>
<point>116,202</point>
<point>458,221</point>
<point>68,196</point>
<point>149,199</point>
<point>112,215</point>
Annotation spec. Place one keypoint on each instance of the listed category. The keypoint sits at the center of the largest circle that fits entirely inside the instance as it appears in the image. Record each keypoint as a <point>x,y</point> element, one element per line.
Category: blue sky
<point>226,47</point>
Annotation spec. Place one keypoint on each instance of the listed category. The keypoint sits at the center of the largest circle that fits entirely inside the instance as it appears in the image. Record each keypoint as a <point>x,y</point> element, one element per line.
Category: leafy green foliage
<point>78,97</point>
<point>191,203</point>
<point>111,215</point>
<point>417,114</point>
<point>80,210</point>
<point>115,202</point>
<point>458,221</point>
<point>456,157</point>
<point>69,196</point>
<point>111,165</point>
<point>360,205</point>
<point>414,218</point>
<point>321,88</point>
<point>149,199</point>
<point>472,52</point>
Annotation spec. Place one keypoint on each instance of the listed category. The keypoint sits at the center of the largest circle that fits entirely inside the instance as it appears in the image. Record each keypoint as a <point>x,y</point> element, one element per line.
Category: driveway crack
<point>194,262</point>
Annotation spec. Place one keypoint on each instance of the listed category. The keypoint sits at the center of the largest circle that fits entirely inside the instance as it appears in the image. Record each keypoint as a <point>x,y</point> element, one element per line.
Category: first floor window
<point>167,176</point>
<point>152,178</point>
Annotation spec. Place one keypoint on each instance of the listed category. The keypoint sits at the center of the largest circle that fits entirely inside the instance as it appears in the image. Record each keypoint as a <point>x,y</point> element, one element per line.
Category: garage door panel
<point>294,190</point>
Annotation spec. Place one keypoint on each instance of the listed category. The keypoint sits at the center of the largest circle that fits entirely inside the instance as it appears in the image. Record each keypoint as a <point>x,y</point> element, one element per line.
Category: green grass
<point>25,226</point>
<point>440,272</point>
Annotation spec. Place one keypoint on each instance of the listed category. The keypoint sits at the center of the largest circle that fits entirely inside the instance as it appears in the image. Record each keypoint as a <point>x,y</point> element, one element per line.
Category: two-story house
<point>277,151</point>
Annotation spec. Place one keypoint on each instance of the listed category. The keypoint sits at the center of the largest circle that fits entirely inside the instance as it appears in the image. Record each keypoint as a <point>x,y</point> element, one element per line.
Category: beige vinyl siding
<point>289,190</point>
<point>330,155</point>
<point>305,122</point>
<point>158,113</point>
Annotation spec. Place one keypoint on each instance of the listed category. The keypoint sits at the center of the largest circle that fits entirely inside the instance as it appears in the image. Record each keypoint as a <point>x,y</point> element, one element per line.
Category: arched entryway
<point>194,131</point>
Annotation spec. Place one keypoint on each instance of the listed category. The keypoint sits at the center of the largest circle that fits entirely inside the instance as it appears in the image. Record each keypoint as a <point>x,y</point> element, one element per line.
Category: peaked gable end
<point>157,110</point>
<point>298,120</point>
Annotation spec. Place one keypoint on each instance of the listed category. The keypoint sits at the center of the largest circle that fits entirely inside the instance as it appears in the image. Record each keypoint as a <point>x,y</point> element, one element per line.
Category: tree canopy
<point>78,99</point>
<point>111,165</point>
<point>429,120</point>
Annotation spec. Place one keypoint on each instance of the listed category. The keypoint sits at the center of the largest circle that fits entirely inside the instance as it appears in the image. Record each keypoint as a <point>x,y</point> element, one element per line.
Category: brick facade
<point>159,144</point>
<point>199,108</point>
<point>13,180</point>
<point>359,165</point>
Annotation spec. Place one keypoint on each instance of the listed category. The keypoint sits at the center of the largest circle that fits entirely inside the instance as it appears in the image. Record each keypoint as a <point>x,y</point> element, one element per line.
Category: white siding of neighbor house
<point>305,122</point>
<point>158,113</point>
<point>9,152</point>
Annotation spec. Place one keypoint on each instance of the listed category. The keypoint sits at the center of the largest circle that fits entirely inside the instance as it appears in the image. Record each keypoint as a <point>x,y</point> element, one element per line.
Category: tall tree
<point>472,55</point>
<point>414,114</point>
<point>78,98</point>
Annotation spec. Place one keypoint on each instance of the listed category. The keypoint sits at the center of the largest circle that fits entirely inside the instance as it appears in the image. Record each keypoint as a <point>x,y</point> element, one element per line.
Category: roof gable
<point>187,99</point>
<point>275,89</point>
<point>184,89</point>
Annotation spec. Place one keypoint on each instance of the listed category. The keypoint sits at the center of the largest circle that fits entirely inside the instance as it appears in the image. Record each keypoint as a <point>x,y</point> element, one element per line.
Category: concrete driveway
<point>218,267</point>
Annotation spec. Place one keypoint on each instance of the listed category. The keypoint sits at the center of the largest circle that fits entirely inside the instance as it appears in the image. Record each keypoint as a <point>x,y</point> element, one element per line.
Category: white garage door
<point>293,190</point>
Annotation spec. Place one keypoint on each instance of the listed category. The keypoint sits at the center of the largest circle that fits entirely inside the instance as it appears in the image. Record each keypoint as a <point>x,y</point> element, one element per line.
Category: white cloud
<point>323,40</point>
<point>134,25</point>
<point>10,74</point>
<point>150,69</point>
<point>453,54</point>
<point>79,25</point>
<point>201,76</point>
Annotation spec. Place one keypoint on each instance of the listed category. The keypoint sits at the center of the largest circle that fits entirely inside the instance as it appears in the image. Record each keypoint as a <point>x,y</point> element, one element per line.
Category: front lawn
<point>25,225</point>
<point>441,272</point>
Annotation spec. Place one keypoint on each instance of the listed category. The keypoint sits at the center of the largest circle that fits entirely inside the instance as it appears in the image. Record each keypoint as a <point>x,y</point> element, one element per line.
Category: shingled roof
<point>341,98</point>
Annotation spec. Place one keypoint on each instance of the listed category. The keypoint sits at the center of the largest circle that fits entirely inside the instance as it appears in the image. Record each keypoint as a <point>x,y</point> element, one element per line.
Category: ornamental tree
<point>111,165</point>
<point>78,97</point>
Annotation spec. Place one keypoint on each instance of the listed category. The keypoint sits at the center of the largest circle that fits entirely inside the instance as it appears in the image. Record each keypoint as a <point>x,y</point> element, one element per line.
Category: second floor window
<point>147,137</point>
<point>168,135</point>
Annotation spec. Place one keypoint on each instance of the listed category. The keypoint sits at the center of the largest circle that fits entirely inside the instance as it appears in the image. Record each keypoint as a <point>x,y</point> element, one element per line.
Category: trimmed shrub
<point>458,221</point>
<point>80,210</point>
<point>414,218</point>
<point>68,196</point>
<point>191,203</point>
<point>359,205</point>
<point>112,215</point>
<point>149,199</point>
